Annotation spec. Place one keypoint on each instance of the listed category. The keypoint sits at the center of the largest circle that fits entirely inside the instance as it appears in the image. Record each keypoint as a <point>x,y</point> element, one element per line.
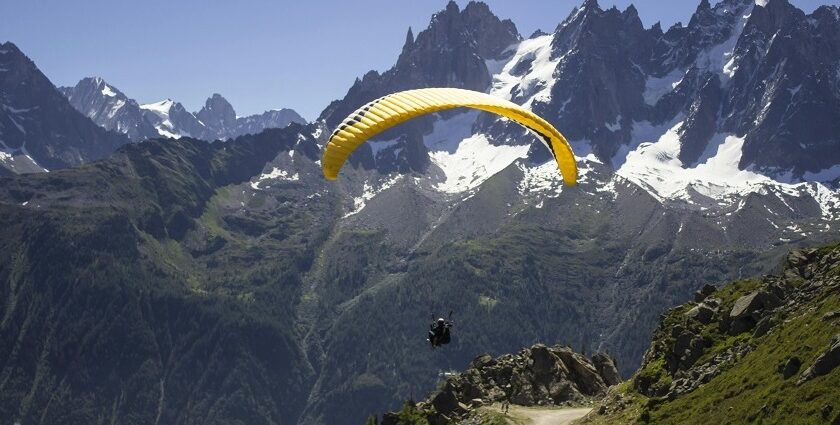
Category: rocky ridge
<point>778,334</point>
<point>110,108</point>
<point>536,376</point>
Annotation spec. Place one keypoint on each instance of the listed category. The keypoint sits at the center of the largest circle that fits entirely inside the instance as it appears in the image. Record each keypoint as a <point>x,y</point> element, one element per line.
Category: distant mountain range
<point>110,108</point>
<point>42,130</point>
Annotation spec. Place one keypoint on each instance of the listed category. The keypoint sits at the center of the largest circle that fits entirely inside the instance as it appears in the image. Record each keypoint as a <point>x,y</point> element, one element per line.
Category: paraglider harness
<point>439,331</point>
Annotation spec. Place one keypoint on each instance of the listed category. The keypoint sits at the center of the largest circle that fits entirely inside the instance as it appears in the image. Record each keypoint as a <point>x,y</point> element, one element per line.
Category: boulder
<point>682,343</point>
<point>704,292</point>
<point>791,367</point>
<point>606,368</point>
<point>797,263</point>
<point>702,313</point>
<point>778,290</point>
<point>764,325</point>
<point>495,394</point>
<point>583,373</point>
<point>825,363</point>
<point>482,361</point>
<point>523,391</point>
<point>831,315</point>
<point>445,401</point>
<point>561,391</point>
<point>748,309</point>
<point>825,412</point>
<point>471,390</point>
<point>545,362</point>
<point>741,325</point>
<point>752,302</point>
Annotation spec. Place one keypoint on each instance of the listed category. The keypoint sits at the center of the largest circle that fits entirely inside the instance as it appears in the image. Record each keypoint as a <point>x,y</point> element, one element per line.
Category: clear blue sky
<point>259,54</point>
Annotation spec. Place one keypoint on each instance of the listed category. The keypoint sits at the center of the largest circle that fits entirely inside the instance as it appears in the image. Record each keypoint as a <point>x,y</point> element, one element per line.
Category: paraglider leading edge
<point>388,111</point>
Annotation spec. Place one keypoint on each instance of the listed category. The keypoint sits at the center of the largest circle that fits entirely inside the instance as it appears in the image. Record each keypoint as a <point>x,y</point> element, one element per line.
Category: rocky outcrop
<point>705,311</point>
<point>539,375</point>
<point>704,292</point>
<point>791,367</point>
<point>742,339</point>
<point>682,340</point>
<point>607,368</point>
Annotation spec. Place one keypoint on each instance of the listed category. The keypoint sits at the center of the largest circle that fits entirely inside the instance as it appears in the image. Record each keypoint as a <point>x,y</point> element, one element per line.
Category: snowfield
<point>473,162</point>
<point>161,109</point>
<point>275,174</point>
<point>370,192</point>
<point>536,84</point>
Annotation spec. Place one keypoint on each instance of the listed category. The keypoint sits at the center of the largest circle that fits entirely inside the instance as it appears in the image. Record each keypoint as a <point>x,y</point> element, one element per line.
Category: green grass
<point>742,393</point>
<point>656,374</point>
<point>410,415</point>
<point>730,293</point>
<point>210,217</point>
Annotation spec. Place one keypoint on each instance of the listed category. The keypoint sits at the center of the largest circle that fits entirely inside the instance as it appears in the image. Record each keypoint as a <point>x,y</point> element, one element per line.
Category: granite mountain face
<point>705,150</point>
<point>452,52</point>
<point>217,115</point>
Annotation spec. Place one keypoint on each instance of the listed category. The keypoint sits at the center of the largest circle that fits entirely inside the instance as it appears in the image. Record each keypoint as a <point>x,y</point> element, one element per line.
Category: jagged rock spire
<point>409,40</point>
<point>593,4</point>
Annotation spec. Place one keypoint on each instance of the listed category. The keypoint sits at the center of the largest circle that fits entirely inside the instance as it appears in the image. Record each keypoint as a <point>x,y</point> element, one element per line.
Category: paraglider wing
<point>396,108</point>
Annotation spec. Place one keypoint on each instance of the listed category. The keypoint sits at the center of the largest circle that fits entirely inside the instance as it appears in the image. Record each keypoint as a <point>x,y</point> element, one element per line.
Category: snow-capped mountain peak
<point>108,107</point>
<point>159,114</point>
<point>160,108</point>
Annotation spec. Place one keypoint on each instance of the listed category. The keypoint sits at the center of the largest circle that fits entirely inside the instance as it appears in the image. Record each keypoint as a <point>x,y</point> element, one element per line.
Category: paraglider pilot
<point>439,332</point>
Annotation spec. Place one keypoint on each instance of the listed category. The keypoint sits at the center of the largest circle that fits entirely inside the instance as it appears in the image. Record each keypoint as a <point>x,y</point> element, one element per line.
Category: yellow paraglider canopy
<point>393,109</point>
